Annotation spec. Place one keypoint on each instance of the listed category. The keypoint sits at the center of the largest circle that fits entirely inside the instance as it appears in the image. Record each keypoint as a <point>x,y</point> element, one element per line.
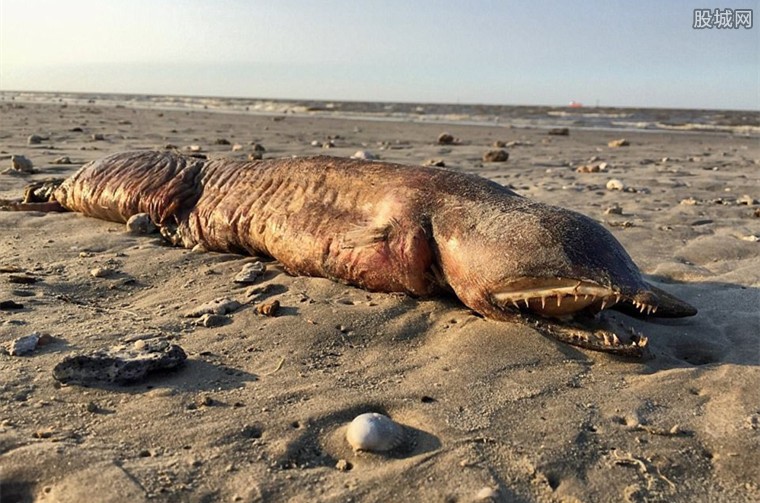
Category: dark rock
<point>559,131</point>
<point>121,365</point>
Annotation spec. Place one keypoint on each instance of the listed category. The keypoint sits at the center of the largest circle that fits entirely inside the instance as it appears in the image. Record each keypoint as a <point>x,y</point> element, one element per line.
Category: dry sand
<point>259,412</point>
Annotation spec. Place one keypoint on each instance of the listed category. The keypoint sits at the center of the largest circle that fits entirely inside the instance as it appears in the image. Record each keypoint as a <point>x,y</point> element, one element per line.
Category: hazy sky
<point>627,53</point>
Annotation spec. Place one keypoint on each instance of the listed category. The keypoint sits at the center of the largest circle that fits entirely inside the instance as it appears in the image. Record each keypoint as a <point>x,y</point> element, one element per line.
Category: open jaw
<point>568,310</point>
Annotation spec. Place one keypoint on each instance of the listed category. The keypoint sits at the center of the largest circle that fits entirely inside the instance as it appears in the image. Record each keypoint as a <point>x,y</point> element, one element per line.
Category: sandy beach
<point>492,411</point>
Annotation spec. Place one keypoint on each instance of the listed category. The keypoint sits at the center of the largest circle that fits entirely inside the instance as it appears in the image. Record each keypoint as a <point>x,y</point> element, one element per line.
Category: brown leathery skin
<point>381,226</point>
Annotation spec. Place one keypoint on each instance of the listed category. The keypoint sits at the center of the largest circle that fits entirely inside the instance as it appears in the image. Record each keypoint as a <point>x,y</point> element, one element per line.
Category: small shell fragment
<point>374,432</point>
<point>140,223</point>
<point>250,273</point>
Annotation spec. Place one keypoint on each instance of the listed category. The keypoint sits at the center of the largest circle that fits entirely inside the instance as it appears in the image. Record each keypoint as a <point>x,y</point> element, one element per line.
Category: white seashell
<point>374,432</point>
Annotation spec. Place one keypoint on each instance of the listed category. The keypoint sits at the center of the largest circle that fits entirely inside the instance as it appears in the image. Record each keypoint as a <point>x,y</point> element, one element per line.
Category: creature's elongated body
<point>381,226</point>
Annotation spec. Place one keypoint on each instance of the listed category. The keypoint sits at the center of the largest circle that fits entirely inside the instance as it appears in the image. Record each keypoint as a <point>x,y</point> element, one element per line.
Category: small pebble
<point>343,465</point>
<point>21,164</point>
<point>559,131</point>
<point>496,156</point>
<point>487,493</point>
<point>270,308</point>
<point>364,155</point>
<point>101,272</point>
<point>64,159</point>
<point>98,137</point>
<point>445,139</point>
<point>34,139</point>
<point>615,209</point>
<point>222,141</point>
<point>435,162</point>
<point>255,156</point>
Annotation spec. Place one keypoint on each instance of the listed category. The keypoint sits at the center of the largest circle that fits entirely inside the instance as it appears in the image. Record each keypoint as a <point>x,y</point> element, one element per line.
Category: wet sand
<point>491,409</point>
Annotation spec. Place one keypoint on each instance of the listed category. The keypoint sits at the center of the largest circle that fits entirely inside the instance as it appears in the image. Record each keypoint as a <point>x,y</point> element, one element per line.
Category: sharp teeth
<point>649,309</point>
<point>527,304</point>
<point>559,299</point>
<point>575,297</point>
<point>642,307</point>
<point>514,303</point>
<point>617,298</point>
<point>654,309</point>
<point>616,340</point>
<point>604,303</point>
<point>543,302</point>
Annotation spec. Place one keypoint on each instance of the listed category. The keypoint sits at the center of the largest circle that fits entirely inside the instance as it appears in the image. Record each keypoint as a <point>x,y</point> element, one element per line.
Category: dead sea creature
<point>386,227</point>
<point>374,432</point>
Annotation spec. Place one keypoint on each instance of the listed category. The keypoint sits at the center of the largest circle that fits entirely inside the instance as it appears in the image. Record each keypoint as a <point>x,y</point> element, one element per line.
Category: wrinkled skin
<point>386,227</point>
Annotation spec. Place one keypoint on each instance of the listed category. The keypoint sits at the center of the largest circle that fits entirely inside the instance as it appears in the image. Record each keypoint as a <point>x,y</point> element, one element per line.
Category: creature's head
<point>518,255</point>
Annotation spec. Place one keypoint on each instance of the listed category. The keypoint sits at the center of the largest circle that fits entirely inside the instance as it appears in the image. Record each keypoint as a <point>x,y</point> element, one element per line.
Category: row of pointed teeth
<point>644,307</point>
<point>606,301</point>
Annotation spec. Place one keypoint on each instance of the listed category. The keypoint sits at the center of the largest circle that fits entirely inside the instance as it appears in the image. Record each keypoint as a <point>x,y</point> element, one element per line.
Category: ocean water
<point>646,119</point>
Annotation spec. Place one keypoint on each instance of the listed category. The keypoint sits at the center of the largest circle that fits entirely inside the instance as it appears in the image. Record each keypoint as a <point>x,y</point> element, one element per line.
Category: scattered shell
<point>499,144</point>
<point>518,143</point>
<point>34,139</point>
<point>194,148</point>
<point>123,364</point>
<point>558,131</point>
<point>212,320</point>
<point>250,273</point>
<point>316,143</point>
<point>22,164</point>
<point>746,199</point>
<point>622,142</point>
<point>140,223</point>
<point>752,238</point>
<point>343,465</point>
<point>101,272</point>
<point>689,202</point>
<point>328,144</point>
<point>487,493</point>
<point>364,154</point>
<point>237,147</point>
<point>222,305</point>
<point>64,159</point>
<point>270,308</point>
<point>496,156</point>
<point>615,184</point>
<point>435,162</point>
<point>98,137</point>
<point>374,432</point>
<point>445,139</point>
<point>615,209</point>
<point>24,345</point>
<point>592,168</point>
